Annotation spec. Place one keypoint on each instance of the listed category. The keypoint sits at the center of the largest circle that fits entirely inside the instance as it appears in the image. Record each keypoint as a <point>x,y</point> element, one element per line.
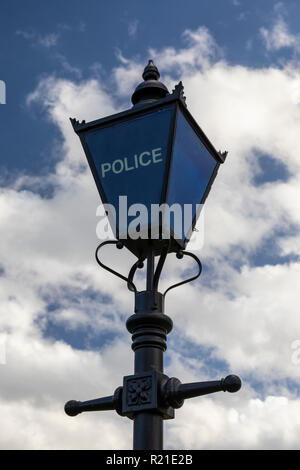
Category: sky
<point>62,319</point>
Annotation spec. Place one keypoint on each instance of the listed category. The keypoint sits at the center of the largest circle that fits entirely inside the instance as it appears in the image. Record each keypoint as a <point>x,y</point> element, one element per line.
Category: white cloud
<point>68,67</point>
<point>279,36</point>
<point>57,373</point>
<point>199,52</point>
<point>133,27</point>
<point>82,27</point>
<point>46,40</point>
<point>25,34</point>
<point>272,423</point>
<point>248,315</point>
<point>28,427</point>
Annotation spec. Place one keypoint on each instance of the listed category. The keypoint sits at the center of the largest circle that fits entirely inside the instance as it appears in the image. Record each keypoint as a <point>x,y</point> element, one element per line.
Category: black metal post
<point>148,426</point>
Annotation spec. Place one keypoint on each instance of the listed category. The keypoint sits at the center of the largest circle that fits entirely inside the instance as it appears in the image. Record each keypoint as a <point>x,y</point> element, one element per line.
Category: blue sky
<point>62,320</point>
<point>38,39</point>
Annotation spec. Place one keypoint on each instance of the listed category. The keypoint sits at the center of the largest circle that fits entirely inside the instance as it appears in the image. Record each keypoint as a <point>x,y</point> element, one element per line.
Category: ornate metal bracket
<point>139,264</point>
<point>180,255</point>
<point>129,279</point>
<point>152,392</point>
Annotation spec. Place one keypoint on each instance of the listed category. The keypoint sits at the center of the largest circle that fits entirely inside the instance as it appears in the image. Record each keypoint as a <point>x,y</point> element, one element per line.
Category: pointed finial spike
<point>151,89</point>
<point>151,71</point>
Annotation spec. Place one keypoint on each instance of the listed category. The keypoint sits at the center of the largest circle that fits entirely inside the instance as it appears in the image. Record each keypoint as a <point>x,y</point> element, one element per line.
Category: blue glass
<point>130,158</point>
<point>191,171</point>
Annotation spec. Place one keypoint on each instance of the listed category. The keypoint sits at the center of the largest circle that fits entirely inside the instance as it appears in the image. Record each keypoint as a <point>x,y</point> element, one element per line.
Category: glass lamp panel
<point>130,160</point>
<point>191,170</point>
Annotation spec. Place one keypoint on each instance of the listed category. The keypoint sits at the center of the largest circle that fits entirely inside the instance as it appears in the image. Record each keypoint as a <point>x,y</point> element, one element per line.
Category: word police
<point>127,164</point>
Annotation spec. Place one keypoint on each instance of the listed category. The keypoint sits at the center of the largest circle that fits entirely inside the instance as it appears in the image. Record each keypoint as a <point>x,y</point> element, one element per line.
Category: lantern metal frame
<point>177,99</point>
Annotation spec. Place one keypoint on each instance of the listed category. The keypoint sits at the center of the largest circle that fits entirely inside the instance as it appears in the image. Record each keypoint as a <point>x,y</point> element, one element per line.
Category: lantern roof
<point>177,95</point>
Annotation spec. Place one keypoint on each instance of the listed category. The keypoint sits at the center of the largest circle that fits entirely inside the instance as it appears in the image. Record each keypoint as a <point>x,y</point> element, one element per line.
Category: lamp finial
<point>150,89</point>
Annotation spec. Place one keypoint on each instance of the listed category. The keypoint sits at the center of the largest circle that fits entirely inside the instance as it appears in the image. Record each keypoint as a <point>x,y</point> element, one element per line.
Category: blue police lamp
<point>150,163</point>
<point>153,167</point>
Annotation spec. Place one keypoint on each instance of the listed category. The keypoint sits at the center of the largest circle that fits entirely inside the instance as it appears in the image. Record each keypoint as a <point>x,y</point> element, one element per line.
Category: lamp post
<point>154,154</point>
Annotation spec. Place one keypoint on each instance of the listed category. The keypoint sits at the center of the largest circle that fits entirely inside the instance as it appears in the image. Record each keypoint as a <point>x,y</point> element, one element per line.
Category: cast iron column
<point>149,327</point>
